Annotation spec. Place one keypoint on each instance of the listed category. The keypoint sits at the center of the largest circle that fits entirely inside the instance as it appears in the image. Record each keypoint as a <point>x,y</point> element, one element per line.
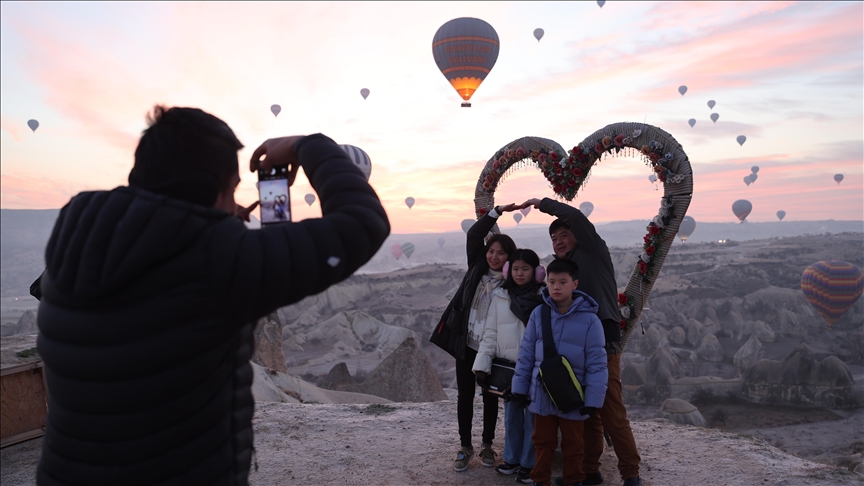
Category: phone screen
<point>274,196</point>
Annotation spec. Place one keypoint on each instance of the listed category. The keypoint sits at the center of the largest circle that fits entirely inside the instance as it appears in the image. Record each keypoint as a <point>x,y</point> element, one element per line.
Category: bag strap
<point>549,349</point>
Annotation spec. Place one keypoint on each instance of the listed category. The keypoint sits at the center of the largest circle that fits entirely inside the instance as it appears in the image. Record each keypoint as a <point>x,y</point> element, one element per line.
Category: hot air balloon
<point>688,224</point>
<point>753,177</point>
<point>309,198</point>
<point>754,169</point>
<point>467,224</point>
<point>360,158</point>
<point>586,208</point>
<point>742,208</point>
<point>837,177</point>
<point>517,217</point>
<point>275,109</point>
<point>747,180</point>
<point>601,2</point>
<point>741,139</point>
<point>396,250</point>
<point>711,104</point>
<point>538,34</point>
<point>525,210</point>
<point>441,242</point>
<point>409,201</point>
<point>652,178</point>
<point>33,124</point>
<point>692,122</point>
<point>714,117</point>
<point>408,249</point>
<point>465,50</point>
<point>682,89</point>
<point>364,93</point>
<point>781,214</point>
<point>832,287</point>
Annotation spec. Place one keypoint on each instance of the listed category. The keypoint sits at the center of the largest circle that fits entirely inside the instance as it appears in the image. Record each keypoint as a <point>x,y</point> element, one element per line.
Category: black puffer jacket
<point>451,333</point>
<point>145,322</point>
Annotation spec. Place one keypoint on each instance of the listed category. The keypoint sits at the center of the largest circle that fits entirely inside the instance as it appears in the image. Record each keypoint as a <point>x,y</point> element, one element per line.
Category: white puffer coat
<point>502,335</point>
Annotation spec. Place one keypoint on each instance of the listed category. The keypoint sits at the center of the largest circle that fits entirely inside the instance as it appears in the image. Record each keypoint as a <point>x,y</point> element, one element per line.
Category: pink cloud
<point>23,192</point>
<point>13,127</point>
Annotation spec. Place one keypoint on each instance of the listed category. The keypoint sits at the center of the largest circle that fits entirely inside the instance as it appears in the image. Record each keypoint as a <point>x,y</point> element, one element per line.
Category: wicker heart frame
<point>567,171</point>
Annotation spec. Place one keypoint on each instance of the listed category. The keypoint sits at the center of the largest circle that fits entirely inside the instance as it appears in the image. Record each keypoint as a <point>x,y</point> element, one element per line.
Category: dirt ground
<point>415,443</point>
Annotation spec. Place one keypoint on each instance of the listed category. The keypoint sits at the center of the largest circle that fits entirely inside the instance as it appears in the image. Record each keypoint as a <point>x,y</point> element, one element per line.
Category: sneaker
<point>633,481</point>
<point>462,457</point>
<point>524,476</point>
<point>592,479</point>
<point>487,455</point>
<point>507,468</point>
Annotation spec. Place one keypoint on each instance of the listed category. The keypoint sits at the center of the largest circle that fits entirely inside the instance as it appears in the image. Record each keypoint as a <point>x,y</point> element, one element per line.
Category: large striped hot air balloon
<point>465,50</point>
<point>396,250</point>
<point>360,158</point>
<point>832,287</point>
<point>408,249</point>
<point>741,208</point>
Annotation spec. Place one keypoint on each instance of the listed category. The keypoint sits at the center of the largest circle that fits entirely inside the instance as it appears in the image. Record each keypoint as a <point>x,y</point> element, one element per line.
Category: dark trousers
<point>545,440</point>
<point>613,418</point>
<point>466,385</point>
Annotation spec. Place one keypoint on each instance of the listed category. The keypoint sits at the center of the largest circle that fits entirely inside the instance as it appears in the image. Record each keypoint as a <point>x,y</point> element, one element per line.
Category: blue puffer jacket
<point>578,336</point>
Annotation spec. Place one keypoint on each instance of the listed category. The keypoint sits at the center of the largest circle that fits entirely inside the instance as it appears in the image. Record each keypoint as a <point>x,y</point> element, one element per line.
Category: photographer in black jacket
<point>151,291</point>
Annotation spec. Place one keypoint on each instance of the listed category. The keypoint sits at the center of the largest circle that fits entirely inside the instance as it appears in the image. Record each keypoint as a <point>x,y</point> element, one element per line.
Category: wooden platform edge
<point>32,434</point>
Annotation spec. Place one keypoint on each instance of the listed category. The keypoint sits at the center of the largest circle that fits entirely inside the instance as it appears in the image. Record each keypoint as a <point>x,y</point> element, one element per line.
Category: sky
<point>787,75</point>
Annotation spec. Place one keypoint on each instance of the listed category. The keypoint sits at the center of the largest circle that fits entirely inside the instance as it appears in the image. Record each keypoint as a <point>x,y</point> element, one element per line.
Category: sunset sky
<point>787,75</point>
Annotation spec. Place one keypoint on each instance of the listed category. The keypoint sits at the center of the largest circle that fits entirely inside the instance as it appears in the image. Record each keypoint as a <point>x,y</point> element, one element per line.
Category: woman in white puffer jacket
<point>502,336</point>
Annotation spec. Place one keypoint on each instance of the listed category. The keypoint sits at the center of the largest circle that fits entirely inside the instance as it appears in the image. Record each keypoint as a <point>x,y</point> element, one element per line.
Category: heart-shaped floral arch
<point>567,170</point>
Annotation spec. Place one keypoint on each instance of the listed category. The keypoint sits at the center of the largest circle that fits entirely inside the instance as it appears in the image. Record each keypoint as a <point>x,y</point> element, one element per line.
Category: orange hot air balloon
<point>465,50</point>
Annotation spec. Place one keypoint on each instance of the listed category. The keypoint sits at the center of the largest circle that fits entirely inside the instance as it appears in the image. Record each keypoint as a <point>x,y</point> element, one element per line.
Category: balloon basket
<point>466,105</point>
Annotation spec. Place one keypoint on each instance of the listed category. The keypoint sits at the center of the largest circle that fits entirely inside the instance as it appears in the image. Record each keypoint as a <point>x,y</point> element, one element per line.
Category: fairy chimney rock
<point>681,412</point>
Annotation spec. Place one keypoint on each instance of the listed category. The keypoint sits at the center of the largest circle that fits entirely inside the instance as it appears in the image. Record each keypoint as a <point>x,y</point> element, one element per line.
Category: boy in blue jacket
<point>578,336</point>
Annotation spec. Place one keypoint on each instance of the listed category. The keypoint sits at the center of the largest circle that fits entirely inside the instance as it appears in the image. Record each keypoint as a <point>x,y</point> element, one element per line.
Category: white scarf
<point>480,306</point>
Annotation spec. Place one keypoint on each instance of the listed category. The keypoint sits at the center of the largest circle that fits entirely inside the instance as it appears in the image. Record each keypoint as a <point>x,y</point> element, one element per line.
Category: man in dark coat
<point>151,292</point>
<point>574,237</point>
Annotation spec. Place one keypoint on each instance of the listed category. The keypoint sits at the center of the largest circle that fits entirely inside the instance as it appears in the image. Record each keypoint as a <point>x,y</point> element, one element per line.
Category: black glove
<point>589,411</point>
<point>481,379</point>
<point>507,395</point>
<point>520,399</point>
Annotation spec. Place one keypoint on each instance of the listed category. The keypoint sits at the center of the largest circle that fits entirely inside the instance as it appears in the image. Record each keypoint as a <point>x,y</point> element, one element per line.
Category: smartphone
<point>274,196</point>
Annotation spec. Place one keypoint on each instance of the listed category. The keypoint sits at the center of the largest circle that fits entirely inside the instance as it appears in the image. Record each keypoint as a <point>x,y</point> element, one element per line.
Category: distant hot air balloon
<point>275,109</point>
<point>741,139</point>
<point>714,117</point>
<point>309,198</point>
<point>692,122</point>
<point>441,242</point>
<point>517,217</point>
<point>711,104</point>
<point>682,89</point>
<point>753,177</point>
<point>408,249</point>
<point>538,34</point>
<point>525,210</point>
<point>747,180</point>
<point>33,124</point>
<point>742,208</point>
<point>467,224</point>
<point>837,177</point>
<point>754,169</point>
<point>360,158</point>
<point>781,214</point>
<point>652,178</point>
<point>364,93</point>
<point>465,50</point>
<point>688,224</point>
<point>396,250</point>
<point>832,287</point>
<point>409,201</point>
<point>601,2</point>
<point>586,208</point>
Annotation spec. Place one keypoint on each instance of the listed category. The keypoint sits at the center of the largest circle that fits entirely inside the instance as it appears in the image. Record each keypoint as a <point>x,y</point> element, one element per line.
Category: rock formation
<point>633,374</point>
<point>749,353</point>
<point>662,367</point>
<point>677,336</point>
<point>25,325</point>
<point>695,331</point>
<point>681,412</point>
<point>710,349</point>
<point>268,344</point>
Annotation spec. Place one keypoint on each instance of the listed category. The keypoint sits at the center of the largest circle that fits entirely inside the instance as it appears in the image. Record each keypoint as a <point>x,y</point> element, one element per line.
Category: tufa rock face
<point>25,325</point>
<point>662,367</point>
<point>681,412</point>
<point>268,344</point>
<point>749,354</point>
<point>633,374</point>
<point>800,367</point>
<point>677,336</point>
<point>695,332</point>
<point>710,349</point>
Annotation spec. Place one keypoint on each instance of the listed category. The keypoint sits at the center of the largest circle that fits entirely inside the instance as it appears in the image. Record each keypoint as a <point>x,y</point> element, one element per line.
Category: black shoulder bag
<point>557,376</point>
